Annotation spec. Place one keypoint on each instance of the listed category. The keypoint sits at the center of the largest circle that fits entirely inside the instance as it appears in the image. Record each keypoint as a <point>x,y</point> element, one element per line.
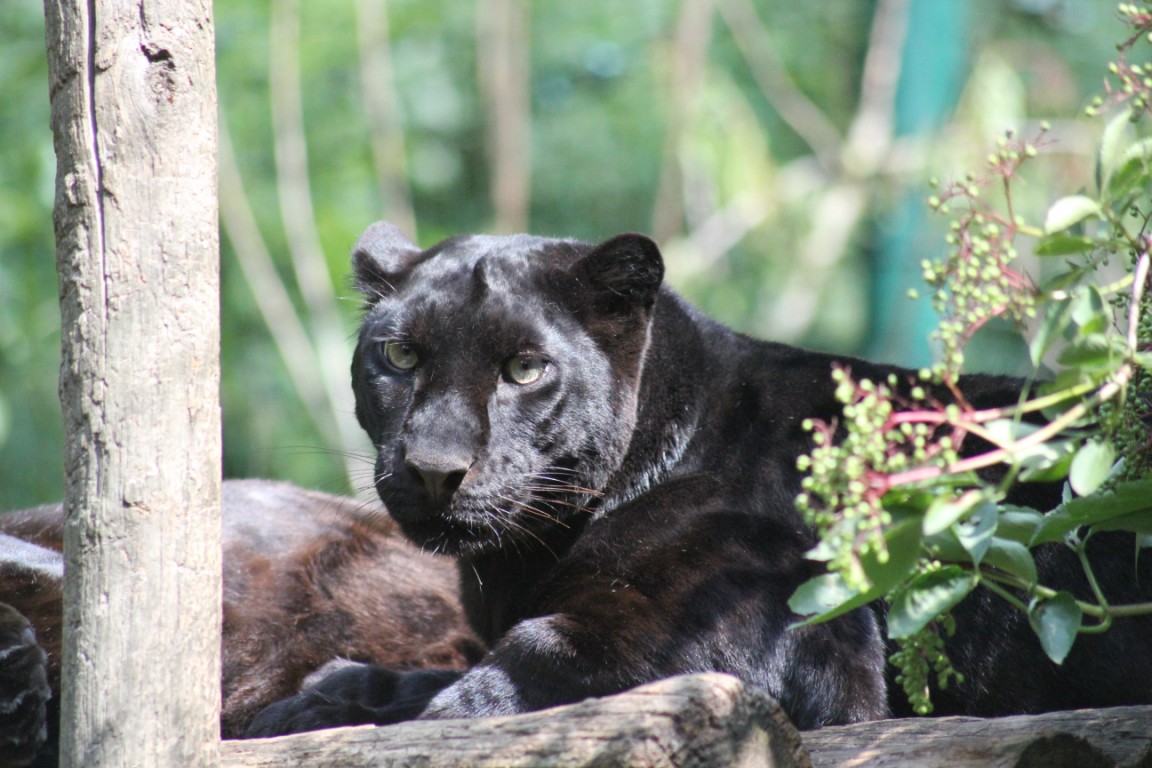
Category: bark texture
<point>697,721</point>
<point>134,118</point>
<point>716,721</point>
<point>1120,737</point>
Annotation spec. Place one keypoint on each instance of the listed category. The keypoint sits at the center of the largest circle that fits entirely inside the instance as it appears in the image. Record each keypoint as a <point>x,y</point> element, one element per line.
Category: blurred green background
<point>779,151</point>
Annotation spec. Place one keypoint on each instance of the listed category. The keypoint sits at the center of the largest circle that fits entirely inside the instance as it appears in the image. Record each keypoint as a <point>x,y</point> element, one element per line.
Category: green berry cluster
<point>852,464</point>
<point>921,655</point>
<point>976,283</point>
<point>1134,84</point>
<point>1129,419</point>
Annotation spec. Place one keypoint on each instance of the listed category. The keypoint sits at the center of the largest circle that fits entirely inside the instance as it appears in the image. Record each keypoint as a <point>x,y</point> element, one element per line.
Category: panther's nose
<point>440,477</point>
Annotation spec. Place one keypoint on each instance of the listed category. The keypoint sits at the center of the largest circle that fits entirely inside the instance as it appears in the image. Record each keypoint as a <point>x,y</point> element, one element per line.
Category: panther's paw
<point>349,693</point>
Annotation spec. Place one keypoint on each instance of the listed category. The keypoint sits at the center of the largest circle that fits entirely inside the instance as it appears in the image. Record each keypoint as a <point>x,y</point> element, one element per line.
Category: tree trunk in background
<point>134,118</point>
<point>688,61</point>
<point>382,108</point>
<point>503,63</point>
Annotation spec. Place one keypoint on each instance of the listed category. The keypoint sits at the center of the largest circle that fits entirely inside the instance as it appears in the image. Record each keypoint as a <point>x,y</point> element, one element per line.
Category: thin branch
<point>842,206</point>
<point>383,112</point>
<point>272,300</point>
<point>800,113</point>
<point>689,60</point>
<point>706,245</point>
<point>834,218</point>
<point>299,219</point>
<point>291,152</point>
<point>871,133</point>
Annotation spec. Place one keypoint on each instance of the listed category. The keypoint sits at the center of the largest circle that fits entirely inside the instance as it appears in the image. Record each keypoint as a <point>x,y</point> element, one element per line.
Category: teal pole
<point>934,68</point>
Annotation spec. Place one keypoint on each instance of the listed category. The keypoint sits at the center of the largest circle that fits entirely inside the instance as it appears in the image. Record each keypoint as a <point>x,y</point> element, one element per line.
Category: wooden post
<point>134,119</point>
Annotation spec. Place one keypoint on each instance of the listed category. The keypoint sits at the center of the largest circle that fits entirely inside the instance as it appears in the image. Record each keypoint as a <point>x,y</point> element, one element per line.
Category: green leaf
<point>946,546</point>
<point>904,542</point>
<point>1063,245</point>
<point>1062,280</point>
<point>1124,499</point>
<point>827,596</point>
<point>975,533</point>
<point>1137,522</point>
<point>946,510</point>
<point>1068,211</point>
<point>1056,622</point>
<point>1056,319</point>
<point>1132,168</point>
<point>1047,462</point>
<point>1089,310</point>
<point>1116,137</point>
<point>1092,352</point>
<point>1018,523</point>
<point>926,597</point>
<point>1091,465</point>
<point>1011,557</point>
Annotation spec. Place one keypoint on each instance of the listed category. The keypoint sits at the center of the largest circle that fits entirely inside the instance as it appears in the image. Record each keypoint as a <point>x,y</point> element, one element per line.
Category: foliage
<point>607,122</point>
<point>909,488</point>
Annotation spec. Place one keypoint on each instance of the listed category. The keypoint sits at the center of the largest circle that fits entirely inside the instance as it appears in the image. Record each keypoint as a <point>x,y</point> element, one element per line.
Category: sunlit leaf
<point>1091,465</point>
<point>1132,169</point>
<point>1089,310</point>
<point>827,596</point>
<point>1068,211</point>
<point>1116,137</point>
<point>1056,623</point>
<point>1124,499</point>
<point>1048,461</point>
<point>947,510</point>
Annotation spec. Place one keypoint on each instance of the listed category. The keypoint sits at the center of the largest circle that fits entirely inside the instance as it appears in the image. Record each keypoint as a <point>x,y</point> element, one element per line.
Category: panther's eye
<point>401,355</point>
<point>524,369</point>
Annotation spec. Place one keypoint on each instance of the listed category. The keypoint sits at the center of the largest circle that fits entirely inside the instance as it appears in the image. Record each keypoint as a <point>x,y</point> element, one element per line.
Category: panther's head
<point>498,379</point>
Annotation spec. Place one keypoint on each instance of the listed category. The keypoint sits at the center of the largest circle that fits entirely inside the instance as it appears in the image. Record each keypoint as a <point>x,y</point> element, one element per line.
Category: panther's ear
<point>625,271</point>
<point>380,259</point>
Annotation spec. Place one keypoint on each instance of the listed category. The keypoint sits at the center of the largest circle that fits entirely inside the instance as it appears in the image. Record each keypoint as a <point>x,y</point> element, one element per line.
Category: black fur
<point>629,515</point>
<point>24,692</point>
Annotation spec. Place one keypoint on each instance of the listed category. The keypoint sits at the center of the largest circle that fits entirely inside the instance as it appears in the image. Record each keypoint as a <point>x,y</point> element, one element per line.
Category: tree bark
<point>134,120</point>
<point>685,722</point>
<point>1099,738</point>
<point>715,720</point>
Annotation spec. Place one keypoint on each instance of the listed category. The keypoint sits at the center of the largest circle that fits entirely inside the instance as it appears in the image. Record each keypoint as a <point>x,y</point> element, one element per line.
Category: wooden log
<point>132,86</point>
<point>1119,737</point>
<point>695,721</point>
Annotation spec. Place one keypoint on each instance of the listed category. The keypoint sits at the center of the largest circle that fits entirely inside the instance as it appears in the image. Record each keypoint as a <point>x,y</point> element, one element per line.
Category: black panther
<point>615,474</point>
